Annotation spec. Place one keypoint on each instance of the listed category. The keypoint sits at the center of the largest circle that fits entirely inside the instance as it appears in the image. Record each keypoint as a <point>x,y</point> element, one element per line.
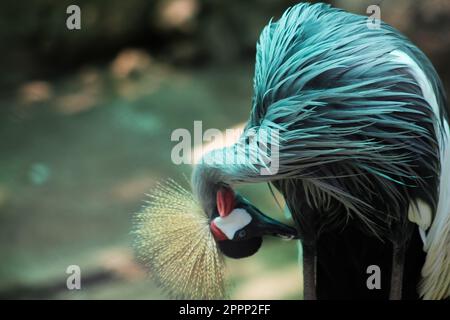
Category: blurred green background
<point>85,123</point>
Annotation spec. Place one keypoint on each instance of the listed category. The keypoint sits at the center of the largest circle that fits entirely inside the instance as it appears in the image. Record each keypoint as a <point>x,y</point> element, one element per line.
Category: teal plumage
<point>344,108</point>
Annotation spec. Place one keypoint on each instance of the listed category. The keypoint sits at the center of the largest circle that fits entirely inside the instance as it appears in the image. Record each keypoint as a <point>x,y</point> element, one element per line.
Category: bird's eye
<point>242,234</point>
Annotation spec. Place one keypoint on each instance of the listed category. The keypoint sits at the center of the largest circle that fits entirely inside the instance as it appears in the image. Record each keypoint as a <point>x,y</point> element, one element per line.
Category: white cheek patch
<point>236,220</point>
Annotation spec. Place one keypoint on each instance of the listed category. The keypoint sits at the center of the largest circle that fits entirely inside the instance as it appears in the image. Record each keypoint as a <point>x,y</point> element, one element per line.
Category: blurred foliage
<point>178,31</point>
<point>183,31</point>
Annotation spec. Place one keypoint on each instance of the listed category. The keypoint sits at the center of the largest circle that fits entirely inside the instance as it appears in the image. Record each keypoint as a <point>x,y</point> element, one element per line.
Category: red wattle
<point>225,201</point>
<point>217,233</point>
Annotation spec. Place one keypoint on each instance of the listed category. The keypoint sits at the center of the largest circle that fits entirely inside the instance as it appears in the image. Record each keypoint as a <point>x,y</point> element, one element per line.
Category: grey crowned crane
<point>363,159</point>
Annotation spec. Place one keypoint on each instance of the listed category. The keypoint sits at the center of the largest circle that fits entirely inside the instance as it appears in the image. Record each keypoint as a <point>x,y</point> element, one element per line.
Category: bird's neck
<point>206,181</point>
<point>221,167</point>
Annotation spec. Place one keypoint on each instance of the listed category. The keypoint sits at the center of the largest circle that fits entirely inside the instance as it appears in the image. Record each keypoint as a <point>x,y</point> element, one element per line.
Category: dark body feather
<point>343,258</point>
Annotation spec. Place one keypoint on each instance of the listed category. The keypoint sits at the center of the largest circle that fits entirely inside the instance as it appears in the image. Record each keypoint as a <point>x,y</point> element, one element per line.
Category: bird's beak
<point>263,225</point>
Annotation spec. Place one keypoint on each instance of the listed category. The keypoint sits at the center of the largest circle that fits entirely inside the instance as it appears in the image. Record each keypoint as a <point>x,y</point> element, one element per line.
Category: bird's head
<point>182,233</point>
<point>238,227</point>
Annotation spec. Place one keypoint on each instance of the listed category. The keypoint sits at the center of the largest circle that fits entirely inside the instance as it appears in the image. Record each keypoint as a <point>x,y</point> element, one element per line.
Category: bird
<point>359,150</point>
